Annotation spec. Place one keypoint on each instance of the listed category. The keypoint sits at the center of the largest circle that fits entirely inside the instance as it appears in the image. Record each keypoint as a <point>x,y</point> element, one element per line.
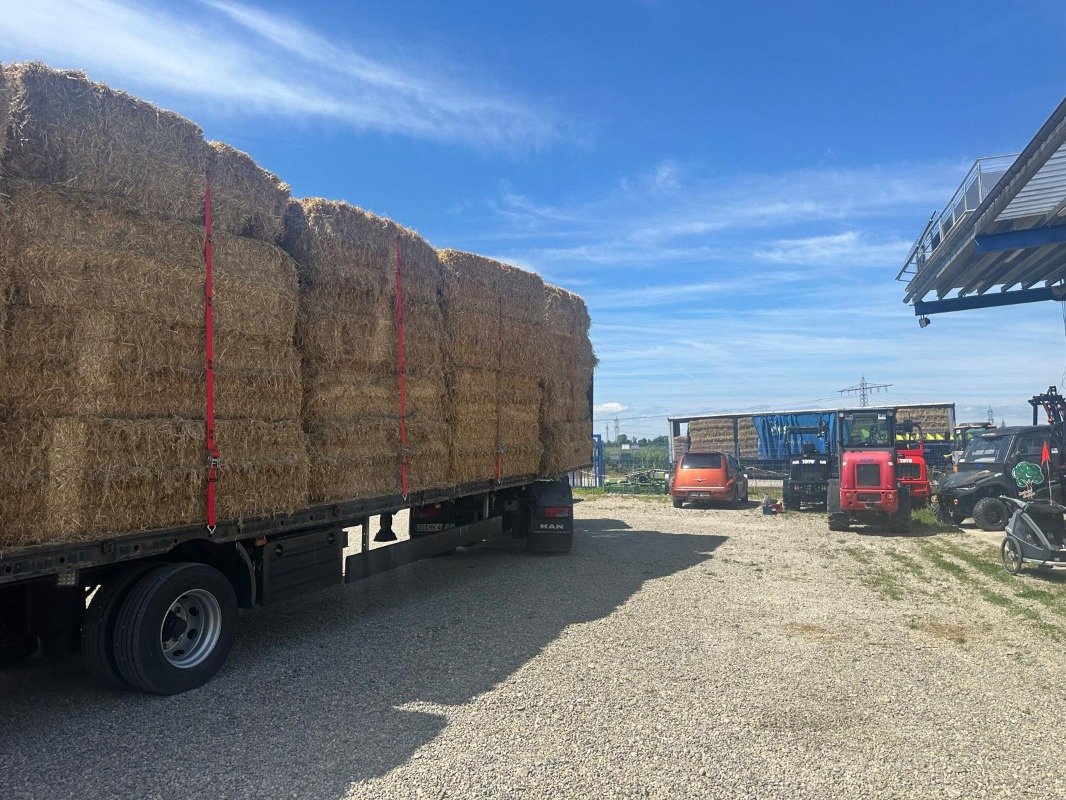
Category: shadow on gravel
<point>331,689</point>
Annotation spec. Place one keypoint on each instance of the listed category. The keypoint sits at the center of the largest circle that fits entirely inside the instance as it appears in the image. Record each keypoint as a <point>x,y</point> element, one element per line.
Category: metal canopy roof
<point>1005,227</point>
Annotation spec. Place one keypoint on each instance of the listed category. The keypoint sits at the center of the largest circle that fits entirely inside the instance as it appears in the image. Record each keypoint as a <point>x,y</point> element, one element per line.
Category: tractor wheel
<point>838,522</point>
<point>901,519</point>
<point>792,503</point>
<point>678,502</point>
<point>990,514</point>
<point>1011,556</point>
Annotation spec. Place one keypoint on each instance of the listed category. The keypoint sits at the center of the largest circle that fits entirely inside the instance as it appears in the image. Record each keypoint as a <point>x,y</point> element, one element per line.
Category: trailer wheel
<point>175,628</point>
<point>98,627</point>
<point>990,514</point>
<point>1011,556</point>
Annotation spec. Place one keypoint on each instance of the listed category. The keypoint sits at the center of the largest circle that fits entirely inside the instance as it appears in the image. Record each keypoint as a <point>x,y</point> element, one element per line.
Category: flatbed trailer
<point>156,610</point>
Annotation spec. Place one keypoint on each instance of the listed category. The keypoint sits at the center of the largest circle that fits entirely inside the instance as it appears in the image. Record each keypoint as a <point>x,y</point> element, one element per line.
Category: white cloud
<point>848,248</point>
<point>263,62</point>
<point>610,408</point>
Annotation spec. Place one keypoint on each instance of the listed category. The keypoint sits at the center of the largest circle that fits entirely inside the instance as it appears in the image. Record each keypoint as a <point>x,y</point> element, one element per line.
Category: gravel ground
<point>675,653</point>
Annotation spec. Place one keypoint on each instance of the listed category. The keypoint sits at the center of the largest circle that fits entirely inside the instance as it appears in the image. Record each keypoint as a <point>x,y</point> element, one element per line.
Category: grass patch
<point>907,563</point>
<point>923,520</point>
<point>588,492</point>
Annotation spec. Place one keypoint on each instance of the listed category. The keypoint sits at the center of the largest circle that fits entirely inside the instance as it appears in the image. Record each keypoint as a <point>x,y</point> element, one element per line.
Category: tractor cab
<point>869,488</point>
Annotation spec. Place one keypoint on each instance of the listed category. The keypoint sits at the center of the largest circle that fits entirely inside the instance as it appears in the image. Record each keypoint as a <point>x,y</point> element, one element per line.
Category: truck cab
<point>868,489</point>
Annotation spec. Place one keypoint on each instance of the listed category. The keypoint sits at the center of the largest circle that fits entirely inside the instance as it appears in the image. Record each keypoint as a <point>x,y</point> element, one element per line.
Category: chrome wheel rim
<point>191,628</point>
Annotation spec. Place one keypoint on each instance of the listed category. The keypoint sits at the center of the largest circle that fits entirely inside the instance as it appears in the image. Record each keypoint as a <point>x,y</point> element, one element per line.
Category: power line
<point>863,389</point>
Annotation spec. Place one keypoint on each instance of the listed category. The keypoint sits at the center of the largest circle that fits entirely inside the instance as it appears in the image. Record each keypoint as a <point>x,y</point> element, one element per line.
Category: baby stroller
<point>1036,535</point>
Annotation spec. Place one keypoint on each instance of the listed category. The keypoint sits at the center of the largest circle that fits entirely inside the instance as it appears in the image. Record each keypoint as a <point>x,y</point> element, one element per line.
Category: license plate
<point>700,495</point>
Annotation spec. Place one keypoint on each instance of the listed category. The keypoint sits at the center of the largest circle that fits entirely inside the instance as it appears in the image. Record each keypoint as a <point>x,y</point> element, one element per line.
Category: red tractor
<point>869,489</point>
<point>910,444</point>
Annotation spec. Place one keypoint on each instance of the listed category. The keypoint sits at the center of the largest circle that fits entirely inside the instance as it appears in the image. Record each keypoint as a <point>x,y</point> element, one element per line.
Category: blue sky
<point>732,186</point>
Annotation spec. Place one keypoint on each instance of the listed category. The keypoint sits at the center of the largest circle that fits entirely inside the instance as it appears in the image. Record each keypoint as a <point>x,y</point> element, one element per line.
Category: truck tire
<point>990,514</point>
<point>98,626</point>
<point>175,628</point>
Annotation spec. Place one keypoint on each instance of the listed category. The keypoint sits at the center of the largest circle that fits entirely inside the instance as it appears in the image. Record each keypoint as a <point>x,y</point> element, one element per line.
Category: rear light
<point>430,512</point>
<point>553,512</point>
<point>889,495</point>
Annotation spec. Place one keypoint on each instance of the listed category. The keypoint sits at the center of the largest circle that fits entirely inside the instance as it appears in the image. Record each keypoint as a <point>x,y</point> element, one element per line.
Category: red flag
<point>1045,454</point>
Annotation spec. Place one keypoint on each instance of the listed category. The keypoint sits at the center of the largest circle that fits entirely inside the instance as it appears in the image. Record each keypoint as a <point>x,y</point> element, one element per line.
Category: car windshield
<point>987,450</point>
<point>702,461</point>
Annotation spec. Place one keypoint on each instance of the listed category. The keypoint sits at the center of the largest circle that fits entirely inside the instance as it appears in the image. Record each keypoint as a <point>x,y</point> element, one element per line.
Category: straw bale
<point>935,419</point>
<point>347,257</point>
<point>247,200</point>
<point>681,446</point>
<point>716,433</point>
<point>5,120</point>
<point>125,365</point>
<point>73,251</point>
<point>70,478</point>
<point>69,131</point>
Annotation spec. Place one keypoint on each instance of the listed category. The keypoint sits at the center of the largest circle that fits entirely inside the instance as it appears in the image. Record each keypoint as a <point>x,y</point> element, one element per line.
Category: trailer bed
<point>35,561</point>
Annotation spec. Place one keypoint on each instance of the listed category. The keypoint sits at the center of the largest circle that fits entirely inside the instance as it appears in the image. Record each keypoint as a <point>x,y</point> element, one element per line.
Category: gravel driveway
<point>675,653</point>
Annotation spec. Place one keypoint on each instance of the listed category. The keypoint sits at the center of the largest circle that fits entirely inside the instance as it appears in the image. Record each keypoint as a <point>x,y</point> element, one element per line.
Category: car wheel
<point>990,514</point>
<point>1011,556</point>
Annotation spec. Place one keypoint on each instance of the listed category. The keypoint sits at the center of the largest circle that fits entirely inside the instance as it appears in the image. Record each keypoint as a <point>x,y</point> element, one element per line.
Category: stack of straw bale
<point>102,375</point>
<point>349,340</point>
<point>493,355</point>
<point>565,415</point>
<point>103,401</point>
<point>935,419</point>
<point>716,433</point>
<point>682,444</point>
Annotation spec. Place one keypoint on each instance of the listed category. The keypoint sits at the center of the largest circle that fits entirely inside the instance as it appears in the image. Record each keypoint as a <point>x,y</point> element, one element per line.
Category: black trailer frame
<point>37,561</point>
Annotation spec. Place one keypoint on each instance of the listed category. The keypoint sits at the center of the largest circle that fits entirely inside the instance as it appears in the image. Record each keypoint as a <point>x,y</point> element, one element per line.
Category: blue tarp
<point>771,428</point>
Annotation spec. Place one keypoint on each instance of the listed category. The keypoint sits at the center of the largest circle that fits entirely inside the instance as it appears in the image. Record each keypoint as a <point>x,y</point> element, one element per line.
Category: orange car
<point>708,475</point>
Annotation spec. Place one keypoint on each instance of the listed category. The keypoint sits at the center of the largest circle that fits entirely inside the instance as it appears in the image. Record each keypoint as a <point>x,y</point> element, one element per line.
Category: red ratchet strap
<point>209,357</point>
<point>499,376</point>
<point>401,366</point>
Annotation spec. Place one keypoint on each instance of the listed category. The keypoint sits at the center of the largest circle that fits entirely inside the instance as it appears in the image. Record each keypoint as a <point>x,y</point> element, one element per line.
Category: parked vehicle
<point>1002,462</point>
<point>1036,535</point>
<point>913,473</point>
<point>962,436</point>
<point>808,471</point>
<point>708,475</point>
<point>868,490</point>
<point>164,613</point>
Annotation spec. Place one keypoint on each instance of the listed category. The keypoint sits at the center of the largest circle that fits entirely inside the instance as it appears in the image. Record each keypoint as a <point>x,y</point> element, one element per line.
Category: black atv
<point>1000,462</point>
